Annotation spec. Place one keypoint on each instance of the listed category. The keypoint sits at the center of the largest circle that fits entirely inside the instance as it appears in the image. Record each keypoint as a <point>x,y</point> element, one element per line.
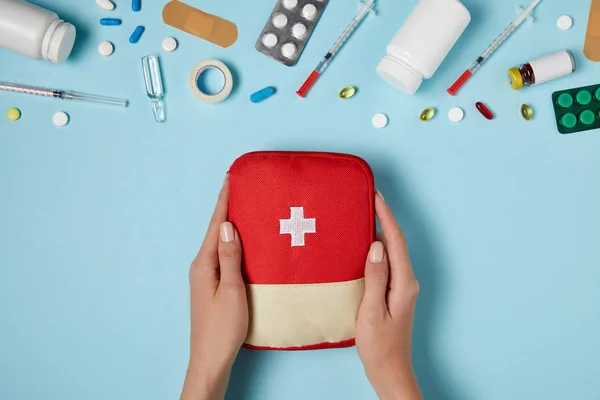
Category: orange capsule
<point>482,108</point>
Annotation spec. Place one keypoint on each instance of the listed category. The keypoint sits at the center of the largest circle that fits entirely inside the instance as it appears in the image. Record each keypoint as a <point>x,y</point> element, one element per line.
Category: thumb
<point>230,255</point>
<point>376,278</point>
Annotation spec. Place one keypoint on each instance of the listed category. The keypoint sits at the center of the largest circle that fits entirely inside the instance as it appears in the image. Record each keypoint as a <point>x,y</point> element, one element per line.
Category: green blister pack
<point>577,109</point>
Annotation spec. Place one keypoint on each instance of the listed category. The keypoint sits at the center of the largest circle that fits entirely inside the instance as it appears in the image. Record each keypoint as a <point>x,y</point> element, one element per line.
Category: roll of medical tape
<point>203,66</point>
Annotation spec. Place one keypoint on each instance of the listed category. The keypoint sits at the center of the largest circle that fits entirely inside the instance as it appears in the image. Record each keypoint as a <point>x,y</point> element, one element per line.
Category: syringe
<point>523,15</point>
<point>368,6</point>
<point>61,94</point>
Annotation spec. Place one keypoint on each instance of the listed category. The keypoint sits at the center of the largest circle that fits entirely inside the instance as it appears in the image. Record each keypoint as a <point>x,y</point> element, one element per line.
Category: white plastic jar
<point>422,43</point>
<point>35,32</point>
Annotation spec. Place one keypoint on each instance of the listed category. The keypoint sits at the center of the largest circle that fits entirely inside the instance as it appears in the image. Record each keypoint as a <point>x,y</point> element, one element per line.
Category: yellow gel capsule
<point>427,114</point>
<point>526,112</point>
<point>13,114</point>
<point>347,92</point>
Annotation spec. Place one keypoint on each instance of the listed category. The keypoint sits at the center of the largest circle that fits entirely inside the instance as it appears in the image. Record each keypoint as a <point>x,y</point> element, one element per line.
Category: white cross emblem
<point>297,226</point>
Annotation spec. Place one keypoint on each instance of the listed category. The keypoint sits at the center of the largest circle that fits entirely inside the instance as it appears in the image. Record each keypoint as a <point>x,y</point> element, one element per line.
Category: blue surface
<point>99,220</point>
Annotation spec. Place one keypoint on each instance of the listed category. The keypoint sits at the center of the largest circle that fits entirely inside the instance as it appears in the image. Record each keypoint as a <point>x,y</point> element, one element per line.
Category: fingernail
<point>376,253</point>
<point>380,195</point>
<point>226,232</point>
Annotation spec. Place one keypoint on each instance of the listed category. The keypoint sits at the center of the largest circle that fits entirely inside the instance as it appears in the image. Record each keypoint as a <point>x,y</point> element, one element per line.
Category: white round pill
<point>564,22</point>
<point>106,4</point>
<point>456,114</point>
<point>289,4</point>
<point>288,50</point>
<point>60,118</point>
<point>169,44</point>
<point>106,48</point>
<point>309,11</point>
<point>380,120</point>
<point>269,40</point>
<point>299,31</point>
<point>280,20</point>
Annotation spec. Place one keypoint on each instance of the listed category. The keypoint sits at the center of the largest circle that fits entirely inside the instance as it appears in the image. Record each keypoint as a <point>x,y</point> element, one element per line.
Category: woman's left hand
<point>219,308</point>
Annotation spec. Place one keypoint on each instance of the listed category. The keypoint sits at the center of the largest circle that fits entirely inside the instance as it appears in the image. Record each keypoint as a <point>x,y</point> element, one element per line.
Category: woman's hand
<point>219,308</point>
<point>386,316</point>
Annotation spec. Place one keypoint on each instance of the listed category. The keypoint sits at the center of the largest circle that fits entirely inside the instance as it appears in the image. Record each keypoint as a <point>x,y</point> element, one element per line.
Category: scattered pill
<point>564,23</point>
<point>269,40</point>
<point>106,4</point>
<point>309,11</point>
<point>60,118</point>
<point>484,110</point>
<point>110,21</point>
<point>280,20</point>
<point>347,92</point>
<point>568,120</point>
<point>299,31</point>
<point>13,114</point>
<point>565,100</point>
<point>380,120</point>
<point>427,114</point>
<point>288,50</point>
<point>136,5</point>
<point>262,94</point>
<point>526,112</point>
<point>456,114</point>
<point>136,34</point>
<point>587,117</point>
<point>169,44</point>
<point>289,4</point>
<point>583,97</point>
<point>106,48</point>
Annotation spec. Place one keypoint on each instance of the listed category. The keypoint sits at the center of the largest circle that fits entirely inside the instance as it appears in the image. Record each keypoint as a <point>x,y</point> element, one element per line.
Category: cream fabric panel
<point>301,315</point>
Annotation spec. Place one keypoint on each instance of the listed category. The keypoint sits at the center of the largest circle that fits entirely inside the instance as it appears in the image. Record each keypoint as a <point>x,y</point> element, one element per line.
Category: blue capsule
<point>110,21</point>
<point>136,5</point>
<point>262,94</point>
<point>136,34</point>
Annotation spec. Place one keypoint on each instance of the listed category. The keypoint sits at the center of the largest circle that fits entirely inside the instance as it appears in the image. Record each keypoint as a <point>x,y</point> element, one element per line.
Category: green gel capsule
<point>526,112</point>
<point>584,97</point>
<point>597,94</point>
<point>568,121</point>
<point>347,92</point>
<point>427,114</point>
<point>565,100</point>
<point>587,117</point>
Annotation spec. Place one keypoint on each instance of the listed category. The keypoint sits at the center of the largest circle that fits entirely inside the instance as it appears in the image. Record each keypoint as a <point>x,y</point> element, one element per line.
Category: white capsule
<point>564,23</point>
<point>169,44</point>
<point>106,4</point>
<point>60,118</point>
<point>290,4</point>
<point>269,40</point>
<point>456,114</point>
<point>299,31</point>
<point>288,50</point>
<point>309,11</point>
<point>280,21</point>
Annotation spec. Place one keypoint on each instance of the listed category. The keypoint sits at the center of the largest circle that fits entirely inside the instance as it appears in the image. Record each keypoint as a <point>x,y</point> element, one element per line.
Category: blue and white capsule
<point>110,21</point>
<point>136,5</point>
<point>136,34</point>
<point>262,94</point>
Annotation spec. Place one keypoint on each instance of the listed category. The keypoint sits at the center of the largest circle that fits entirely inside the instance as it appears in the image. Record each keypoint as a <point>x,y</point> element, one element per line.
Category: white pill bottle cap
<point>58,41</point>
<point>399,75</point>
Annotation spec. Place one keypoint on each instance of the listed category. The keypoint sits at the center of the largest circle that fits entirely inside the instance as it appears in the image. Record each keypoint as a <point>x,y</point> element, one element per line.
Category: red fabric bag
<point>306,221</point>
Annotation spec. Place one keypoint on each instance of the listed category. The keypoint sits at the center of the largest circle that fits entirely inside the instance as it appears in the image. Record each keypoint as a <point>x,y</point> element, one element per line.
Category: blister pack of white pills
<point>288,29</point>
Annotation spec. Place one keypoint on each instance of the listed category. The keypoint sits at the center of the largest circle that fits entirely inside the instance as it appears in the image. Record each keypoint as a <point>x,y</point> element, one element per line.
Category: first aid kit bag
<point>306,222</point>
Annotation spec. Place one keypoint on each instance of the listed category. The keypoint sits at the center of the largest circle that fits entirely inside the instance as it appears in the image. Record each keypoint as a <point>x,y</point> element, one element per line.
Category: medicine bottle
<point>35,32</point>
<point>422,43</point>
<point>542,70</point>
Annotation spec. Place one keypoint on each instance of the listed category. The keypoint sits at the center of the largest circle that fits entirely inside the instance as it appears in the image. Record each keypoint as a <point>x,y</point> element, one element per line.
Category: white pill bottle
<point>422,43</point>
<point>35,32</point>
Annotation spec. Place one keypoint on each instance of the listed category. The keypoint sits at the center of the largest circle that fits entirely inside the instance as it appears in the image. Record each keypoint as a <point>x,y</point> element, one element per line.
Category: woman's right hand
<point>385,319</point>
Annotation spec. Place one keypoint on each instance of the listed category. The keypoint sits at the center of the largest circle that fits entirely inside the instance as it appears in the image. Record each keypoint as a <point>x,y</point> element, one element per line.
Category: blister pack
<point>288,29</point>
